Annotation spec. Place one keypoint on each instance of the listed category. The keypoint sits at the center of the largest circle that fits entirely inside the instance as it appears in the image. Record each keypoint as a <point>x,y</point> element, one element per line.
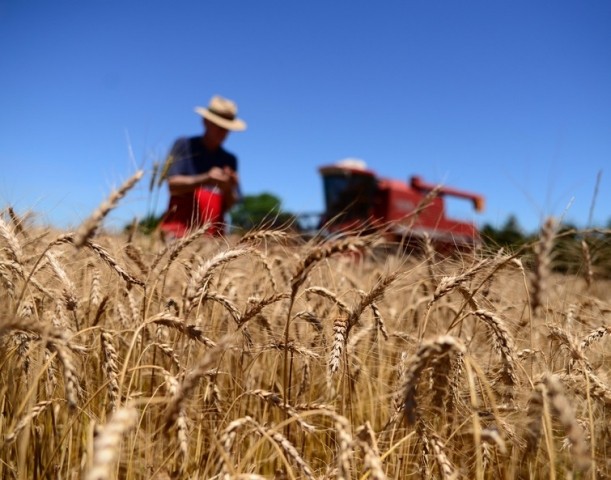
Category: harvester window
<point>349,196</point>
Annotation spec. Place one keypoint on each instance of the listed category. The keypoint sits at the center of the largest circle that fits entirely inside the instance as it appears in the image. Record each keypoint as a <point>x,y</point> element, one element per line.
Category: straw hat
<point>222,112</point>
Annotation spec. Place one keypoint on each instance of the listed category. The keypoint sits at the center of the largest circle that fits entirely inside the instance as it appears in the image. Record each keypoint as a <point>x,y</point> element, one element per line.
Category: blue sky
<point>510,99</point>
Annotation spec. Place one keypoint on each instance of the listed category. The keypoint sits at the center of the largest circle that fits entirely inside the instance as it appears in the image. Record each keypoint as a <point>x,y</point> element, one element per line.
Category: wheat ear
<point>276,400</point>
<point>343,324</point>
<point>89,226</point>
<point>549,390</point>
<point>110,364</point>
<point>190,382</point>
<point>267,266</point>
<point>574,348</point>
<point>104,255</point>
<point>17,222</point>
<point>543,260</point>
<point>328,294</point>
<point>11,240</point>
<point>154,173</point>
<point>320,252</point>
<point>288,448</point>
<point>587,258</point>
<point>594,336</point>
<point>448,471</point>
<point>56,341</point>
<point>172,386</point>
<point>198,282</point>
<point>426,352</point>
<point>340,336</point>
<point>566,416</point>
<point>449,283</point>
<point>107,444</point>
<point>369,298</point>
<point>306,264</point>
<point>191,331</point>
<point>503,342</point>
<point>445,286</point>
<point>25,420</point>
<point>345,444</point>
<point>366,439</point>
<point>135,255</point>
<point>69,291</point>
<point>256,236</point>
<point>257,306</point>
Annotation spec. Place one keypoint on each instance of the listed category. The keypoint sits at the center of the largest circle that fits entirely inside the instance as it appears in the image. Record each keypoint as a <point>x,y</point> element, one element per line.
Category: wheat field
<point>269,356</point>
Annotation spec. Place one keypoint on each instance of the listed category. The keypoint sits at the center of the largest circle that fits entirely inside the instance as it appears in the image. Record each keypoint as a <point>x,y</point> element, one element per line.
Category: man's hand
<point>224,178</point>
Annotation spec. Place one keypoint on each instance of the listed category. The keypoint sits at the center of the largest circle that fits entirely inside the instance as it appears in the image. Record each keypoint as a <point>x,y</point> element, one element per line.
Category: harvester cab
<point>357,199</point>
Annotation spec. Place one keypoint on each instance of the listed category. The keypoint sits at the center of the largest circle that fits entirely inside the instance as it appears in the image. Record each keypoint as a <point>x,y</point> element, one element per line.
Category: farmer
<point>202,175</point>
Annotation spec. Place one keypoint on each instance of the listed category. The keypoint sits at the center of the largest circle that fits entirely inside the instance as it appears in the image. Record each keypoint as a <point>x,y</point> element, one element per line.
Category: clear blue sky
<point>510,99</point>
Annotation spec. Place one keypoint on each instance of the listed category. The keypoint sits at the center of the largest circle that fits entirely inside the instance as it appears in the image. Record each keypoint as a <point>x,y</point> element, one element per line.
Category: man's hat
<point>222,112</point>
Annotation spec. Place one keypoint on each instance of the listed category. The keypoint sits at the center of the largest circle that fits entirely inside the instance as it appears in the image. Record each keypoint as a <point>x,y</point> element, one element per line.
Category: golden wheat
<point>265,356</point>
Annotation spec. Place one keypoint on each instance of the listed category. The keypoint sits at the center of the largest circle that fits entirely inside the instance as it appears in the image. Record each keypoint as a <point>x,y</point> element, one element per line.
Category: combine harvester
<point>356,199</point>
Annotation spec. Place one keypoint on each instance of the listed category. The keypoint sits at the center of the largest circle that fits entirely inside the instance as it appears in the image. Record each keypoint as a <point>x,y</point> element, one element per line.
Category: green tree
<point>509,235</point>
<point>260,211</point>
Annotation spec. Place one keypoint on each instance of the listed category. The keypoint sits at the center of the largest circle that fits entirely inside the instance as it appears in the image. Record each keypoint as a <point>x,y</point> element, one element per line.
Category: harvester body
<point>357,199</point>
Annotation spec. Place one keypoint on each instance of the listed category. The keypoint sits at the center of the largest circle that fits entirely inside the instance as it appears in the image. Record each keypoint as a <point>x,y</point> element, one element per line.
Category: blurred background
<point>507,99</point>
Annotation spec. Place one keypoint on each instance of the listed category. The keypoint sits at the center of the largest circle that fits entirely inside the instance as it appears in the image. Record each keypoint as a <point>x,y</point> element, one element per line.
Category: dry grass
<point>267,357</point>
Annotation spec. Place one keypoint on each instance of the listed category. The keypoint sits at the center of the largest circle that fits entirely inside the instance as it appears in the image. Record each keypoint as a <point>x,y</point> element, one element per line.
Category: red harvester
<point>356,198</point>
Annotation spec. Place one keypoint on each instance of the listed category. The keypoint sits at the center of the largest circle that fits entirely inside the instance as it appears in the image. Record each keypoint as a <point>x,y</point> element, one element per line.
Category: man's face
<point>215,135</point>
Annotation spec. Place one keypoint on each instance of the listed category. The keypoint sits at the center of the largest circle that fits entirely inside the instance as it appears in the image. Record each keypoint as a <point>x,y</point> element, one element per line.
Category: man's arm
<point>231,188</point>
<point>223,179</point>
